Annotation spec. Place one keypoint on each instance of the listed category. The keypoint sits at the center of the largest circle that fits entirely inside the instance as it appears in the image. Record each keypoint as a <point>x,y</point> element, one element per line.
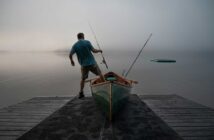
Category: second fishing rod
<point>130,68</point>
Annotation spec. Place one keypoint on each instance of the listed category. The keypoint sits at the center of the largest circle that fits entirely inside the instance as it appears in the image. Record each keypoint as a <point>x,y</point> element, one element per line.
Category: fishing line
<point>95,37</point>
<point>138,55</point>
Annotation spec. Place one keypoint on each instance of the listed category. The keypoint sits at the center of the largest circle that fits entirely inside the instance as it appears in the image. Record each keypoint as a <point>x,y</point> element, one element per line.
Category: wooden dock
<point>83,120</point>
<point>156,117</point>
<point>17,119</point>
<point>192,121</point>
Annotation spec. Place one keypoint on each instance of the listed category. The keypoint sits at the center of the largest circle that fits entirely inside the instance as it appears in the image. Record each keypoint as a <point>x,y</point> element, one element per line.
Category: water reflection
<point>26,75</point>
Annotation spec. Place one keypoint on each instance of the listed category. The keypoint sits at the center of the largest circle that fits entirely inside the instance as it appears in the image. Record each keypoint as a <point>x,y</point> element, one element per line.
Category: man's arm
<point>71,58</point>
<point>93,49</point>
<point>96,50</point>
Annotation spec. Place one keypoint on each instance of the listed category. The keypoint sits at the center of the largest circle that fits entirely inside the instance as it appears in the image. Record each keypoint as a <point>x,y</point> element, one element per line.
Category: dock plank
<point>15,120</point>
<point>189,119</point>
<point>38,116</point>
<point>83,120</point>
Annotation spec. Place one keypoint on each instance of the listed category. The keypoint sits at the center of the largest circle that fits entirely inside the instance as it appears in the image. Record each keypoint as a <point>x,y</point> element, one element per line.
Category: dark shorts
<point>93,68</point>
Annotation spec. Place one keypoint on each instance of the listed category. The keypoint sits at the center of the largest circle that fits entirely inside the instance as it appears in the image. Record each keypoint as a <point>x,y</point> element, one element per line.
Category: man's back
<point>83,50</point>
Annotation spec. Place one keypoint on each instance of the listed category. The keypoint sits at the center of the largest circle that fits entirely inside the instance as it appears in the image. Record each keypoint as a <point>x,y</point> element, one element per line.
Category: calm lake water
<point>26,75</point>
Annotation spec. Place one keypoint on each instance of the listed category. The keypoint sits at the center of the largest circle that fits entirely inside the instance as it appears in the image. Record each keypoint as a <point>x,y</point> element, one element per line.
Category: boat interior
<point>112,77</point>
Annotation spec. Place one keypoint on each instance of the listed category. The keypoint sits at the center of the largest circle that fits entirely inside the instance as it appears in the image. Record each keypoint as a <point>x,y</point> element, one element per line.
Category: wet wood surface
<point>192,121</point>
<point>17,119</point>
<point>84,120</point>
<point>144,117</point>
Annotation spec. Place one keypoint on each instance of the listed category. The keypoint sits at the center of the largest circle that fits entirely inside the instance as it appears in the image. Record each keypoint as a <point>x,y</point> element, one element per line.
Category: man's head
<point>80,36</point>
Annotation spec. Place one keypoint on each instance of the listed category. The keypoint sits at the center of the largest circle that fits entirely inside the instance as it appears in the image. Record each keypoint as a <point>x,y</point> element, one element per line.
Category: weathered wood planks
<point>192,121</point>
<point>83,120</point>
<point>17,119</point>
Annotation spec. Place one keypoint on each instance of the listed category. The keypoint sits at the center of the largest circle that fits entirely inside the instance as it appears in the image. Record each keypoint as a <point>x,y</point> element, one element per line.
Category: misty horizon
<point>28,25</point>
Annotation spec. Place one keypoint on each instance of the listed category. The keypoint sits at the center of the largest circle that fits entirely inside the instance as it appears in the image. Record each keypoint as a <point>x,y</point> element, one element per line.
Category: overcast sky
<point>121,24</point>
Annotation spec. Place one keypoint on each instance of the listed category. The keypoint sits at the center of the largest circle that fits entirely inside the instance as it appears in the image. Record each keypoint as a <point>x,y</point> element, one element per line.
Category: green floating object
<point>164,60</point>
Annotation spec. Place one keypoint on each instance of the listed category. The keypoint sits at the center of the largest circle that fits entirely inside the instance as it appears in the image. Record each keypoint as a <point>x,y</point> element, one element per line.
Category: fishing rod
<point>95,37</point>
<point>138,55</point>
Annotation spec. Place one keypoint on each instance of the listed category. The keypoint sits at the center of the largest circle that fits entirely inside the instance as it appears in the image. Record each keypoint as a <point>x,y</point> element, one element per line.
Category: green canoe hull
<point>110,96</point>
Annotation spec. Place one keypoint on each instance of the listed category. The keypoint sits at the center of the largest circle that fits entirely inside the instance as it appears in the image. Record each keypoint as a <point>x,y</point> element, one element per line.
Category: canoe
<point>164,60</point>
<point>112,94</point>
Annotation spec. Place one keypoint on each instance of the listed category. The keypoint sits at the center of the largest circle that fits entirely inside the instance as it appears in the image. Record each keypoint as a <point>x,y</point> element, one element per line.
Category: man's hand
<point>72,63</point>
<point>96,50</point>
<point>71,58</point>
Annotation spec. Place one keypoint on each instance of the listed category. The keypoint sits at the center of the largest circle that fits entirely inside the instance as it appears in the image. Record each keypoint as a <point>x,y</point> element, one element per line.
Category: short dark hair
<point>80,36</point>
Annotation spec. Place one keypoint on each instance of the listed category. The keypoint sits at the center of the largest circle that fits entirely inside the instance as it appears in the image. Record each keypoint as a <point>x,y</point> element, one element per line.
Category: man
<point>83,49</point>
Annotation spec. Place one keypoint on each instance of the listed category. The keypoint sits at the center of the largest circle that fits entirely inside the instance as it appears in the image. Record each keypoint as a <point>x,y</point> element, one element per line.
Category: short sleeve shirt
<point>83,49</point>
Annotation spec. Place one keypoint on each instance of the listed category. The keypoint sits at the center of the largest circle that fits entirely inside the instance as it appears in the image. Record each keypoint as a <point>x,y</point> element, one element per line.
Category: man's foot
<point>81,95</point>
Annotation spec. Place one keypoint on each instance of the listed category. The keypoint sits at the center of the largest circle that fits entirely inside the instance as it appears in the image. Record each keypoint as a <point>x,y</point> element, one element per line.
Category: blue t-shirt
<point>83,50</point>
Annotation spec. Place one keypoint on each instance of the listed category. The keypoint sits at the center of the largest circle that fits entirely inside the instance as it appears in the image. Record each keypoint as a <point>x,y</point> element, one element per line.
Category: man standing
<point>83,49</point>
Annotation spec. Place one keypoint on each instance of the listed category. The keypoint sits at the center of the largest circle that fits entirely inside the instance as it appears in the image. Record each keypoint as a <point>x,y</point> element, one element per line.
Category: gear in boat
<point>113,77</point>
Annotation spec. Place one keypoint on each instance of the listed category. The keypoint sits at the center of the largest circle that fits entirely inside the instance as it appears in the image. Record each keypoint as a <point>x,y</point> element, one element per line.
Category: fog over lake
<point>34,35</point>
<point>26,75</point>
<point>122,24</point>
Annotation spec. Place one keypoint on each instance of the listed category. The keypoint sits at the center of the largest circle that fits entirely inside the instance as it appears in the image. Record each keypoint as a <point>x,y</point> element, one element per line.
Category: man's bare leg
<point>82,84</point>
